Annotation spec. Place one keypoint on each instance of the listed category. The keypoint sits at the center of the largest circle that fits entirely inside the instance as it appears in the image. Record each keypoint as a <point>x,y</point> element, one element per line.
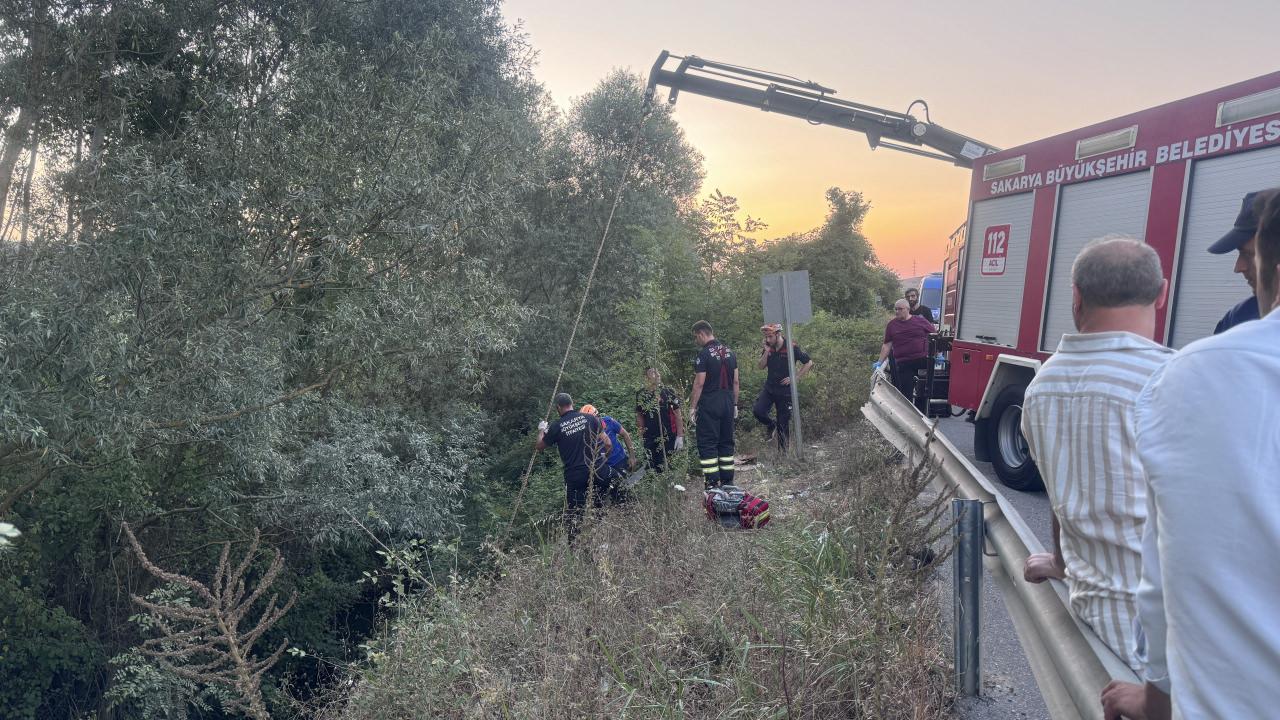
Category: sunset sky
<point>1004,73</point>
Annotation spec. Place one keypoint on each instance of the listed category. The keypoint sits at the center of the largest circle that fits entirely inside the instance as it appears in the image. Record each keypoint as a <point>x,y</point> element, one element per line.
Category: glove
<point>876,365</point>
<point>735,412</point>
<point>542,426</point>
<point>679,443</point>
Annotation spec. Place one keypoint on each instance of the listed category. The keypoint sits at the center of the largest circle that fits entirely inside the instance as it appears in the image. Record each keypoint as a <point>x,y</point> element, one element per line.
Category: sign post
<point>786,299</point>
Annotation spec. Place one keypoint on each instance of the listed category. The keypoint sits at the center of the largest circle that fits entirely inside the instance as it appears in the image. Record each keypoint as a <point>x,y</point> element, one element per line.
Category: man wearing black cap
<point>1241,239</point>
<point>583,445</point>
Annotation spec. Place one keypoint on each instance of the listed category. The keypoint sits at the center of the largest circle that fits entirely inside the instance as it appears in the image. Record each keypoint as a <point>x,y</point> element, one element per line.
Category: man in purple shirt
<point>907,337</point>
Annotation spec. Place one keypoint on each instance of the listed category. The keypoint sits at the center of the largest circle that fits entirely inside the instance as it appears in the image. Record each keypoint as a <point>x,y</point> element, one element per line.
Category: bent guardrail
<point>1071,665</point>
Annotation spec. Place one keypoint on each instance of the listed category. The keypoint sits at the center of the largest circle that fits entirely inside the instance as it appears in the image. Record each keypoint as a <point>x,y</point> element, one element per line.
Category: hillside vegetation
<point>658,613</point>
<point>292,279</point>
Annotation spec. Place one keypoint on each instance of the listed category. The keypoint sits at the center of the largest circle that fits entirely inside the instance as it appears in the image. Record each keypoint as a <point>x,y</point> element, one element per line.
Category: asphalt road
<point>1008,688</point>
<point>1032,506</point>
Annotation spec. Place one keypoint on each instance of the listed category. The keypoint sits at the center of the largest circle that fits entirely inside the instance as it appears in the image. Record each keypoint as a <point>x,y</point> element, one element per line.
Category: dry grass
<point>657,613</point>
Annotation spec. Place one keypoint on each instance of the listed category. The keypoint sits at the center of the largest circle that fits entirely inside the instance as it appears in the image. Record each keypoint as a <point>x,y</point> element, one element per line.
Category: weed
<point>657,613</point>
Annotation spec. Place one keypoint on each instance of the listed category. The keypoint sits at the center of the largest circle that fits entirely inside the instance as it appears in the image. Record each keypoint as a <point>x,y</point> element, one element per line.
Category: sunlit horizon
<point>1004,73</point>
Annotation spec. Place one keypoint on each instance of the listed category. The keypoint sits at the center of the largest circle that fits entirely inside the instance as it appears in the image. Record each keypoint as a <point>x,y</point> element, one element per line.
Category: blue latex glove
<point>876,365</point>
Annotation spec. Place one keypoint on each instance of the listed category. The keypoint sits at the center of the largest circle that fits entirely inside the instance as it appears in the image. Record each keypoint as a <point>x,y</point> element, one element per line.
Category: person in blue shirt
<point>1241,240</point>
<point>620,460</point>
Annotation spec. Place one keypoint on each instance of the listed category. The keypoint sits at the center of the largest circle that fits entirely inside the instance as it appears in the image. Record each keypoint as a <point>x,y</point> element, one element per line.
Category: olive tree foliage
<point>288,254</point>
<point>259,286</point>
<point>589,152</point>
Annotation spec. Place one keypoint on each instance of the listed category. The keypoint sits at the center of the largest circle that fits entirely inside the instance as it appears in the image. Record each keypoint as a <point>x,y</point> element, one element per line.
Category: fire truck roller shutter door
<point>995,269</point>
<point>1089,210</point>
<point>1205,286</point>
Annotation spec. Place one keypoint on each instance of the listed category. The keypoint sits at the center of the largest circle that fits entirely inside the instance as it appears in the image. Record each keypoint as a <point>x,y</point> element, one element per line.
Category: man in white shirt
<point>1078,421</point>
<point>1209,440</point>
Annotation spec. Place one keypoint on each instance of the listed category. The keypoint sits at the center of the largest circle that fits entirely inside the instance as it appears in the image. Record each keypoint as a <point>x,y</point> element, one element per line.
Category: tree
<point>261,287</point>
<point>547,263</point>
<point>721,235</point>
<point>845,277</point>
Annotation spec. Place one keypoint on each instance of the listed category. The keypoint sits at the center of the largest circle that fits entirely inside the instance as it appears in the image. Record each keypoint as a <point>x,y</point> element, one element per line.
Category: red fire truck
<point>1173,175</point>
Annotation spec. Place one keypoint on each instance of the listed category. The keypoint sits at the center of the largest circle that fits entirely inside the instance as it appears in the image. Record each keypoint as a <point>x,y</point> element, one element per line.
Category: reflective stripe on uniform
<point>710,470</point>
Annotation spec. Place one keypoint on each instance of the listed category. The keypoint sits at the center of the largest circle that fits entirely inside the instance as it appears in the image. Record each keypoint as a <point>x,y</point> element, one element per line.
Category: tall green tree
<point>845,276</point>
<point>260,293</point>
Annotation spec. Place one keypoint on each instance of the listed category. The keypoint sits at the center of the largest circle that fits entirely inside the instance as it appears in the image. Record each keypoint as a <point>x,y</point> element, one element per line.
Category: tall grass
<point>658,613</point>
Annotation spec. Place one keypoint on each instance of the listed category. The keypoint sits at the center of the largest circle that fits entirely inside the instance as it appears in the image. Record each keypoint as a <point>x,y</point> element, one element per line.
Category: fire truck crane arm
<point>813,103</point>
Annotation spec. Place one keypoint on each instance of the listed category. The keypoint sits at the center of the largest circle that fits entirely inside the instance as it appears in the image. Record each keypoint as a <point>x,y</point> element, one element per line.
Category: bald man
<point>1078,419</point>
<point>907,337</point>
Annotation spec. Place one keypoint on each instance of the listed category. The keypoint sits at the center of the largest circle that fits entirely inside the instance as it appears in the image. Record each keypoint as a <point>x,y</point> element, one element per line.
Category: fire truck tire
<point>1005,444</point>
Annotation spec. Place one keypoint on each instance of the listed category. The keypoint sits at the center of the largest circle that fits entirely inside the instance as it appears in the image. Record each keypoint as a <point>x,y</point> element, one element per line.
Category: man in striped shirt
<point>1078,419</point>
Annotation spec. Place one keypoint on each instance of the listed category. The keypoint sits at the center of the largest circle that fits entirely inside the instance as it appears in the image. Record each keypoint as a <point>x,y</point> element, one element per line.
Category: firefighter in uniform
<point>583,446</point>
<point>714,405</point>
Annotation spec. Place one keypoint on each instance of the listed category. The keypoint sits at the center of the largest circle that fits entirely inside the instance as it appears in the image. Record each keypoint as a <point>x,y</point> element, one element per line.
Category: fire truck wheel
<point>1005,444</point>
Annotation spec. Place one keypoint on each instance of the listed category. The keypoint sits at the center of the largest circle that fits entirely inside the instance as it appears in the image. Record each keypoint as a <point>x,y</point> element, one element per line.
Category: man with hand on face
<point>714,405</point>
<point>583,445</point>
<point>777,385</point>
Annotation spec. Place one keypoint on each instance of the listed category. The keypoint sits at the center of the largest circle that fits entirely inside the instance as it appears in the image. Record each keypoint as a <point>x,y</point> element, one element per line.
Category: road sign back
<point>797,285</point>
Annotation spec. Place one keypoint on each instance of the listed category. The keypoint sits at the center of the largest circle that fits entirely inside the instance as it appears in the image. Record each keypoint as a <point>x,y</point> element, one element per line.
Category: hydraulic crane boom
<point>812,102</point>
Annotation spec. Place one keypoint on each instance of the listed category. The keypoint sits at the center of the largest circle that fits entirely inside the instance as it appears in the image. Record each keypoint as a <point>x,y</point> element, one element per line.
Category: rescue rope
<point>632,157</point>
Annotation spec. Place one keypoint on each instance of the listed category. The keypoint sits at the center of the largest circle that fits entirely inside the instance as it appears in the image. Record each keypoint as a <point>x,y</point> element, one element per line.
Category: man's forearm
<point>884,351</point>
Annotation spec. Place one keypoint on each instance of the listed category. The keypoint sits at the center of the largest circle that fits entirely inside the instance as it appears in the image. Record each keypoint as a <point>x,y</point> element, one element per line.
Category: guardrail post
<point>967,596</point>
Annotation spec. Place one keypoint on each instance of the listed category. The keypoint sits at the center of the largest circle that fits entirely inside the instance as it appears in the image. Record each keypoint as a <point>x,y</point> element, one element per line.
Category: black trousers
<point>659,453</point>
<point>767,401</point>
<point>905,375</point>
<point>583,486</point>
<point>618,492</point>
<point>715,438</point>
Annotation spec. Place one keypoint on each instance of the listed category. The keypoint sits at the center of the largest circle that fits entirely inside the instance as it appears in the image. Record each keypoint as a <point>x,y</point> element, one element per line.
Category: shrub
<point>658,613</point>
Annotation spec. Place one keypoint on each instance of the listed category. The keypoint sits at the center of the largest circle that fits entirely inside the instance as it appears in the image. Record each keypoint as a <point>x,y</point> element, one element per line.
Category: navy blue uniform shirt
<point>718,362</point>
<point>577,437</point>
<point>1244,312</point>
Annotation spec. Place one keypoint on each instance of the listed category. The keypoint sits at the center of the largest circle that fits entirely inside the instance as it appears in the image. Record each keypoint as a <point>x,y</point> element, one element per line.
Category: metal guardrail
<point>1070,663</point>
